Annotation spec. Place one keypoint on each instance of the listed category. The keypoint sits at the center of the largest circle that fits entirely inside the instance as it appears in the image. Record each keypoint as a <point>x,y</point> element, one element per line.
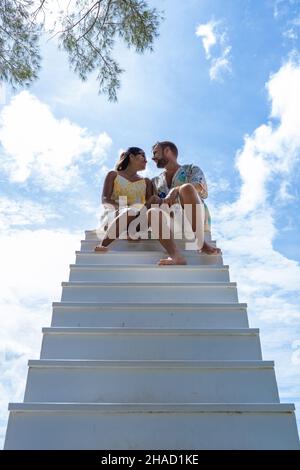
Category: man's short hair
<point>165,144</point>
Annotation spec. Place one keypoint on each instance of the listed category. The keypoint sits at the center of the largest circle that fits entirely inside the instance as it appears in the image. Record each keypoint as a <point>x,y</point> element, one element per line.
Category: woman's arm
<point>149,189</point>
<point>151,198</point>
<point>108,190</point>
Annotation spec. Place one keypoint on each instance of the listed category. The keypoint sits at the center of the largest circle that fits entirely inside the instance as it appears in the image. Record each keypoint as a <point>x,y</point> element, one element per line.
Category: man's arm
<point>154,185</point>
<point>197,179</point>
<point>149,188</point>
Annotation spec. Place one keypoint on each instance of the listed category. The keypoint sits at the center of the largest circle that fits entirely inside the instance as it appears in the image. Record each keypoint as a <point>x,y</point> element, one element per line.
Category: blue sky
<point>223,83</point>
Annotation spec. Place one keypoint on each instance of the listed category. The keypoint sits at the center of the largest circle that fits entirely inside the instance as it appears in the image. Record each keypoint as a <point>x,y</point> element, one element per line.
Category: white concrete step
<point>149,292</point>
<point>99,234</point>
<point>143,257</point>
<point>150,344</point>
<point>151,426</point>
<point>137,245</point>
<point>148,273</point>
<point>123,381</point>
<point>139,315</point>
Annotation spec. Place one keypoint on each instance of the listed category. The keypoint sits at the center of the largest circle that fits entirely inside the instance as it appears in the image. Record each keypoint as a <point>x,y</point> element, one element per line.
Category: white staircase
<point>140,356</point>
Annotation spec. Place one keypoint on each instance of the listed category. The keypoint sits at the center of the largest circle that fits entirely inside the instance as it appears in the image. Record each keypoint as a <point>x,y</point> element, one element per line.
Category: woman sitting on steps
<point>124,182</point>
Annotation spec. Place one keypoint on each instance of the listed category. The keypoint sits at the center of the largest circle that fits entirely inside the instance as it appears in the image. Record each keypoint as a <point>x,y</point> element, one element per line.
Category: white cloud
<point>77,92</point>
<point>23,212</point>
<point>247,228</point>
<point>291,33</point>
<point>101,144</point>
<point>296,354</point>
<point>209,38</point>
<point>45,149</point>
<point>265,164</point>
<point>220,65</point>
<point>284,8</point>
<point>2,93</point>
<point>33,263</point>
<point>52,9</point>
<point>279,8</point>
<point>217,184</point>
<point>286,11</point>
<point>270,153</point>
<point>216,47</point>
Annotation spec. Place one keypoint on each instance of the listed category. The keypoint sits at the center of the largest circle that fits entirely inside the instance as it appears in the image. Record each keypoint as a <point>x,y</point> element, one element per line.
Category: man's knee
<point>188,194</point>
<point>187,189</point>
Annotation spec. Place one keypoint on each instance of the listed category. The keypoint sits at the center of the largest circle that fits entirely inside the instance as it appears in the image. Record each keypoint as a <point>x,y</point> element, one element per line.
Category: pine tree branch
<point>93,23</point>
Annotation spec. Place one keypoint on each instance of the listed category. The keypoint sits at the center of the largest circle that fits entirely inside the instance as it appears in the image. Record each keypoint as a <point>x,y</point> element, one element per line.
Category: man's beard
<point>161,163</point>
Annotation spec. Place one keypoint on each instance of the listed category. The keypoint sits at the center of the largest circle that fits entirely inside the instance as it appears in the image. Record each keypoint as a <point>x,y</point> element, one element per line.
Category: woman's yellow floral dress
<point>129,194</point>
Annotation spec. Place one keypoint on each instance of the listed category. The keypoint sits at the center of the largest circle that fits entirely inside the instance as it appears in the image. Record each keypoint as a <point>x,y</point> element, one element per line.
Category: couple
<point>179,187</point>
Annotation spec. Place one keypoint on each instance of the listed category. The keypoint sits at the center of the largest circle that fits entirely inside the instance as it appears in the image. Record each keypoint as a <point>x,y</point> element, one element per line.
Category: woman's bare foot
<point>172,260</point>
<point>101,249</point>
<point>209,249</point>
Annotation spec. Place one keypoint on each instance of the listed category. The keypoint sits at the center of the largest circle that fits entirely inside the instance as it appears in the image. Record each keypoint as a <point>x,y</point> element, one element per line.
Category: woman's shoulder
<point>112,174</point>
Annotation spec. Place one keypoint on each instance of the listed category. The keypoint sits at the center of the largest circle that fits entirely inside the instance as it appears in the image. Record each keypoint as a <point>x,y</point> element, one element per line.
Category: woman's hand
<point>172,197</point>
<point>153,200</point>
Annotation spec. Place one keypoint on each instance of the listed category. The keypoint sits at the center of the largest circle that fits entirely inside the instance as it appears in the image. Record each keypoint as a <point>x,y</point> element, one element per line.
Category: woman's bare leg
<point>113,232</point>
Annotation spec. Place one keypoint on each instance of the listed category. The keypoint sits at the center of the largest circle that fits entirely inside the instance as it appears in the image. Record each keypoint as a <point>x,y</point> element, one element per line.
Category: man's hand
<point>201,190</point>
<point>172,197</point>
<point>153,200</point>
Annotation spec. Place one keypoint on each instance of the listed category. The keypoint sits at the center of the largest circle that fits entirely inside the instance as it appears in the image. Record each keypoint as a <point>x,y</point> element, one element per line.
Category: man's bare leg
<point>113,231</point>
<point>158,222</point>
<point>189,195</point>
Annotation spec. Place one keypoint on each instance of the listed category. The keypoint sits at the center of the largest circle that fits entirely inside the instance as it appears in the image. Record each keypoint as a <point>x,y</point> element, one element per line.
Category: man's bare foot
<point>209,249</point>
<point>172,261</point>
<point>101,249</point>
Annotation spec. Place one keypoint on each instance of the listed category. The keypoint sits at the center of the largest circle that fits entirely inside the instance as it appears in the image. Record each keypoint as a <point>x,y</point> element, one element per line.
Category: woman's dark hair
<point>124,159</point>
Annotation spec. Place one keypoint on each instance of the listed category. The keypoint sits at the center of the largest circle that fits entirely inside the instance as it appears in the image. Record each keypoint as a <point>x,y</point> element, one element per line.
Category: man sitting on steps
<point>183,184</point>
